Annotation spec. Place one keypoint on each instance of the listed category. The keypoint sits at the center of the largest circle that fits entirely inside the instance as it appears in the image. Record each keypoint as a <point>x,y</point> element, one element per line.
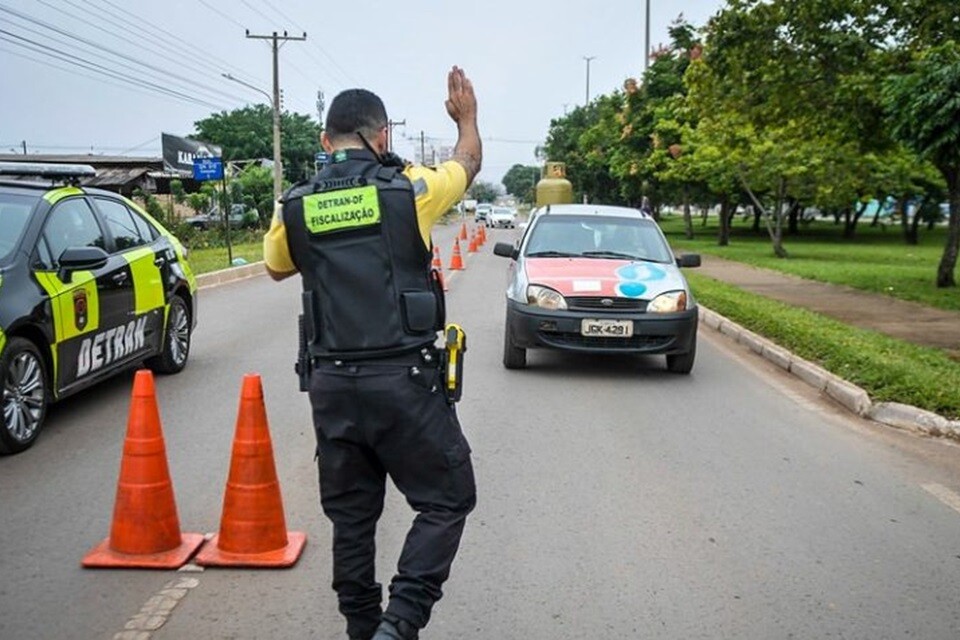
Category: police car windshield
<point>14,212</point>
<point>597,237</point>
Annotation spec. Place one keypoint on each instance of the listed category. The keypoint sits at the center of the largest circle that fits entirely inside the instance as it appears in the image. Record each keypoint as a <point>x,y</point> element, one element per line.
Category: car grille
<point>597,303</point>
<point>645,343</point>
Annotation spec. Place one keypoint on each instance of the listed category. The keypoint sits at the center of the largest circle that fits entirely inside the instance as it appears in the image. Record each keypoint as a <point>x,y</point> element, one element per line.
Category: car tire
<point>514,357</point>
<point>176,340</point>
<point>682,362</point>
<point>24,395</point>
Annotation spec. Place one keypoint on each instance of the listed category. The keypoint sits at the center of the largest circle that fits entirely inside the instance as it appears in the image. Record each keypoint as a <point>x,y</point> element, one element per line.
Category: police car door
<point>141,313</point>
<point>86,305</point>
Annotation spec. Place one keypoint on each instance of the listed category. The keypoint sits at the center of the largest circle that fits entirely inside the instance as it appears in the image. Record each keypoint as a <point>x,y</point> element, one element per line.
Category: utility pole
<point>321,105</point>
<point>277,41</point>
<point>423,150</point>
<point>390,125</point>
<point>588,59</point>
<point>646,41</point>
<point>24,147</point>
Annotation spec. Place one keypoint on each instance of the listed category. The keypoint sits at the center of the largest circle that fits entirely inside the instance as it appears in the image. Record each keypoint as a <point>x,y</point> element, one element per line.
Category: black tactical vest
<point>368,288</point>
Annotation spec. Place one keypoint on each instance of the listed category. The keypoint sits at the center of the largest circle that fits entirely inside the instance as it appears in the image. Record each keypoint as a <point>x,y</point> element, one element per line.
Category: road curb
<point>845,393</point>
<point>230,274</point>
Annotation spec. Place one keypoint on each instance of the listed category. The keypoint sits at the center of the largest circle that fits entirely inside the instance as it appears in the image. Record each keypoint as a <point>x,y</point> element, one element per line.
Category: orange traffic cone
<point>437,267</point>
<point>463,231</point>
<point>253,530</point>
<point>472,248</point>
<point>483,235</point>
<point>145,533</point>
<point>456,262</point>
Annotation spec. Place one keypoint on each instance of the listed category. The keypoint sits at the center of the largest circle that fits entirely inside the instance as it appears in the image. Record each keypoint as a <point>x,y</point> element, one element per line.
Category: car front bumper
<point>666,333</point>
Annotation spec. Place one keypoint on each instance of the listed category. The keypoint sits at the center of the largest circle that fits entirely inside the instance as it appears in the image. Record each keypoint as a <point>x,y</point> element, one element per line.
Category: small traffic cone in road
<point>483,236</point>
<point>456,262</point>
<point>145,533</point>
<point>253,530</point>
<point>472,248</point>
<point>463,231</point>
<point>437,267</point>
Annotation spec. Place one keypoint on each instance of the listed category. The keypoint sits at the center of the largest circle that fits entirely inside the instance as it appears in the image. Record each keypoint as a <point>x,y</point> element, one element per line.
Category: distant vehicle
<point>90,285</point>
<point>598,279</point>
<point>502,217</point>
<point>468,206</point>
<point>483,210</point>
<point>212,219</point>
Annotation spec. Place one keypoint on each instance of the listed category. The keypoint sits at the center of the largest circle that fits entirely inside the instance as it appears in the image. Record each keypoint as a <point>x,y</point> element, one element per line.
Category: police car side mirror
<point>80,259</point>
<point>689,260</point>
<point>505,250</point>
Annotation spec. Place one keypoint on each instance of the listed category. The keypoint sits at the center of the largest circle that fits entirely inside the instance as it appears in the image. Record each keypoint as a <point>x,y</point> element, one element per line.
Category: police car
<point>90,284</point>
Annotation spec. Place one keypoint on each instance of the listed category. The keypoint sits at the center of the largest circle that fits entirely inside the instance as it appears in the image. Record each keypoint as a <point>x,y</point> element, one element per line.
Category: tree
<point>925,111</point>
<point>247,134</point>
<point>257,190</point>
<point>520,181</point>
<point>484,191</point>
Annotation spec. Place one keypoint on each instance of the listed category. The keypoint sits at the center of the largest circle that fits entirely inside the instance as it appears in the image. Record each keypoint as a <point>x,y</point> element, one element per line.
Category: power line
<point>345,74</point>
<point>164,72</point>
<point>116,64</point>
<point>145,26</point>
<point>96,68</point>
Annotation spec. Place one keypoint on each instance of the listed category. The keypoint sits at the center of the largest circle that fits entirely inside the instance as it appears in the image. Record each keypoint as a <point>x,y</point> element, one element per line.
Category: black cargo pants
<point>392,418</point>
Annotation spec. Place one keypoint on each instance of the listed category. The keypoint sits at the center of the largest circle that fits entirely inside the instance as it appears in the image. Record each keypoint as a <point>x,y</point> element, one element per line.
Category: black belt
<point>427,356</point>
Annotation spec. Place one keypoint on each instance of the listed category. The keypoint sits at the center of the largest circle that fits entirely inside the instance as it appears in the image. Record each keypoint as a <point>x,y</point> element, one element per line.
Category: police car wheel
<point>25,398</point>
<point>176,341</point>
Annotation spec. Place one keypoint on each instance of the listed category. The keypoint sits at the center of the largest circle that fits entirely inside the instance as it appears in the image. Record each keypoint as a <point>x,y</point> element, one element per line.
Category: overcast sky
<point>525,58</point>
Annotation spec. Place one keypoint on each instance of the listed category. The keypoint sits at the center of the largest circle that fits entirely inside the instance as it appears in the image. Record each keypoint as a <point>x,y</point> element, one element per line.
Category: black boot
<point>396,630</point>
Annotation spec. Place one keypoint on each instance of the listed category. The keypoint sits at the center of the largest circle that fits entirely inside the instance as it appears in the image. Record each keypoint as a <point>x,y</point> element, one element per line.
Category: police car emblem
<point>80,309</point>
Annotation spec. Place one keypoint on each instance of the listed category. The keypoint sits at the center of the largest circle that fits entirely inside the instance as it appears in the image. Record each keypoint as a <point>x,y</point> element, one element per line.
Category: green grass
<point>878,261</point>
<point>888,369</point>
<point>215,258</point>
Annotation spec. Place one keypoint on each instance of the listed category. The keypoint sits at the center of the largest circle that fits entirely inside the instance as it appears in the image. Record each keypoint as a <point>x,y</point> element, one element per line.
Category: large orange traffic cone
<point>456,262</point>
<point>463,231</point>
<point>145,533</point>
<point>253,530</point>
<point>472,247</point>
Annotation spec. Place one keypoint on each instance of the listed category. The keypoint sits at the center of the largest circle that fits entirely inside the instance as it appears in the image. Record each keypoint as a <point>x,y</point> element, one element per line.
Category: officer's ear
<point>382,140</point>
<point>325,142</point>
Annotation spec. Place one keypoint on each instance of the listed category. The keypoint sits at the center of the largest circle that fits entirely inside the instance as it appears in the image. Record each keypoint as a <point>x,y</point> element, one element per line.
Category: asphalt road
<point>615,500</point>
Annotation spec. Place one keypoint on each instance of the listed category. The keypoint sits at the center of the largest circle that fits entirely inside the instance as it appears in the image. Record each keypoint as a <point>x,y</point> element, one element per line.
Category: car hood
<point>604,277</point>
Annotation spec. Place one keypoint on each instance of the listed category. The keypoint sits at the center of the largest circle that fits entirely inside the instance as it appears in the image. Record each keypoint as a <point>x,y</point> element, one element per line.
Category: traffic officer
<point>358,234</point>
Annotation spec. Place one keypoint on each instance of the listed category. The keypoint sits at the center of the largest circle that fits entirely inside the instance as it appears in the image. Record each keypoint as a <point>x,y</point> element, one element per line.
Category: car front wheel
<point>514,357</point>
<point>682,362</point>
<point>25,398</point>
<point>176,340</point>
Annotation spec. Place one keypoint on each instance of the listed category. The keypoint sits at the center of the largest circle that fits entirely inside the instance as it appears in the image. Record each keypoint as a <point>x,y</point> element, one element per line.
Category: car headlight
<point>545,298</point>
<point>669,302</point>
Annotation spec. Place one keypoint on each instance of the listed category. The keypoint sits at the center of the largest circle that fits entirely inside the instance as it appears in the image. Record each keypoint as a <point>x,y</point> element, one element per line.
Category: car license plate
<point>606,328</point>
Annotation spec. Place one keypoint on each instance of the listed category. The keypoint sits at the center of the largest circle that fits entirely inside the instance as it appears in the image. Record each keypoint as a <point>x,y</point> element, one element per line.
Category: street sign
<point>208,169</point>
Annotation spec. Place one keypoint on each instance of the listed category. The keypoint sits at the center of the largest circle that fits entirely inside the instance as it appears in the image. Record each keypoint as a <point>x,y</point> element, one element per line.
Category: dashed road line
<point>944,495</point>
<point>157,610</point>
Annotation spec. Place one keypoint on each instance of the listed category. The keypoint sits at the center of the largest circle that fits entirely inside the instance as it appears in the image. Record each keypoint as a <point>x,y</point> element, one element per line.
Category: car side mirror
<point>689,260</point>
<point>80,259</point>
<point>506,250</point>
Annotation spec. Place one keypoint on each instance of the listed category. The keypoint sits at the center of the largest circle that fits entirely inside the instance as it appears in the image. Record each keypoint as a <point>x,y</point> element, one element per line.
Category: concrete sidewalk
<point>907,321</point>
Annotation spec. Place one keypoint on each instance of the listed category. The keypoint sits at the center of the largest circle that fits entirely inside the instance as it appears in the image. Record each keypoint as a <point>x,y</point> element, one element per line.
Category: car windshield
<point>597,237</point>
<point>14,212</point>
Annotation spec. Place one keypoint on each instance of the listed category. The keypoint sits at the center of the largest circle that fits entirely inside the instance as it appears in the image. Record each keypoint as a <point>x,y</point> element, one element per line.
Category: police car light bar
<point>65,172</point>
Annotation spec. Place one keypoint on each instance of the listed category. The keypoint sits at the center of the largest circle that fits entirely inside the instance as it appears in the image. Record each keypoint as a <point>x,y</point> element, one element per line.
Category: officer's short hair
<point>353,111</point>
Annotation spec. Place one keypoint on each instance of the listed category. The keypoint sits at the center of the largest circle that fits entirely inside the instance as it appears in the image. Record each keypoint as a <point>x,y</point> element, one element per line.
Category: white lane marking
<point>157,610</point>
<point>944,495</point>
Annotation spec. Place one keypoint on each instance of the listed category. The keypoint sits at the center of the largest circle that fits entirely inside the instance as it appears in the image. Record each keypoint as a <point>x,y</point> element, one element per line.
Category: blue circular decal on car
<point>631,289</point>
<point>640,273</point>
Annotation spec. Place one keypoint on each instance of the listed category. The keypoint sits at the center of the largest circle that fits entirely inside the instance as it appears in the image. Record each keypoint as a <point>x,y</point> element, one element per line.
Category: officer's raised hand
<point>462,106</point>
